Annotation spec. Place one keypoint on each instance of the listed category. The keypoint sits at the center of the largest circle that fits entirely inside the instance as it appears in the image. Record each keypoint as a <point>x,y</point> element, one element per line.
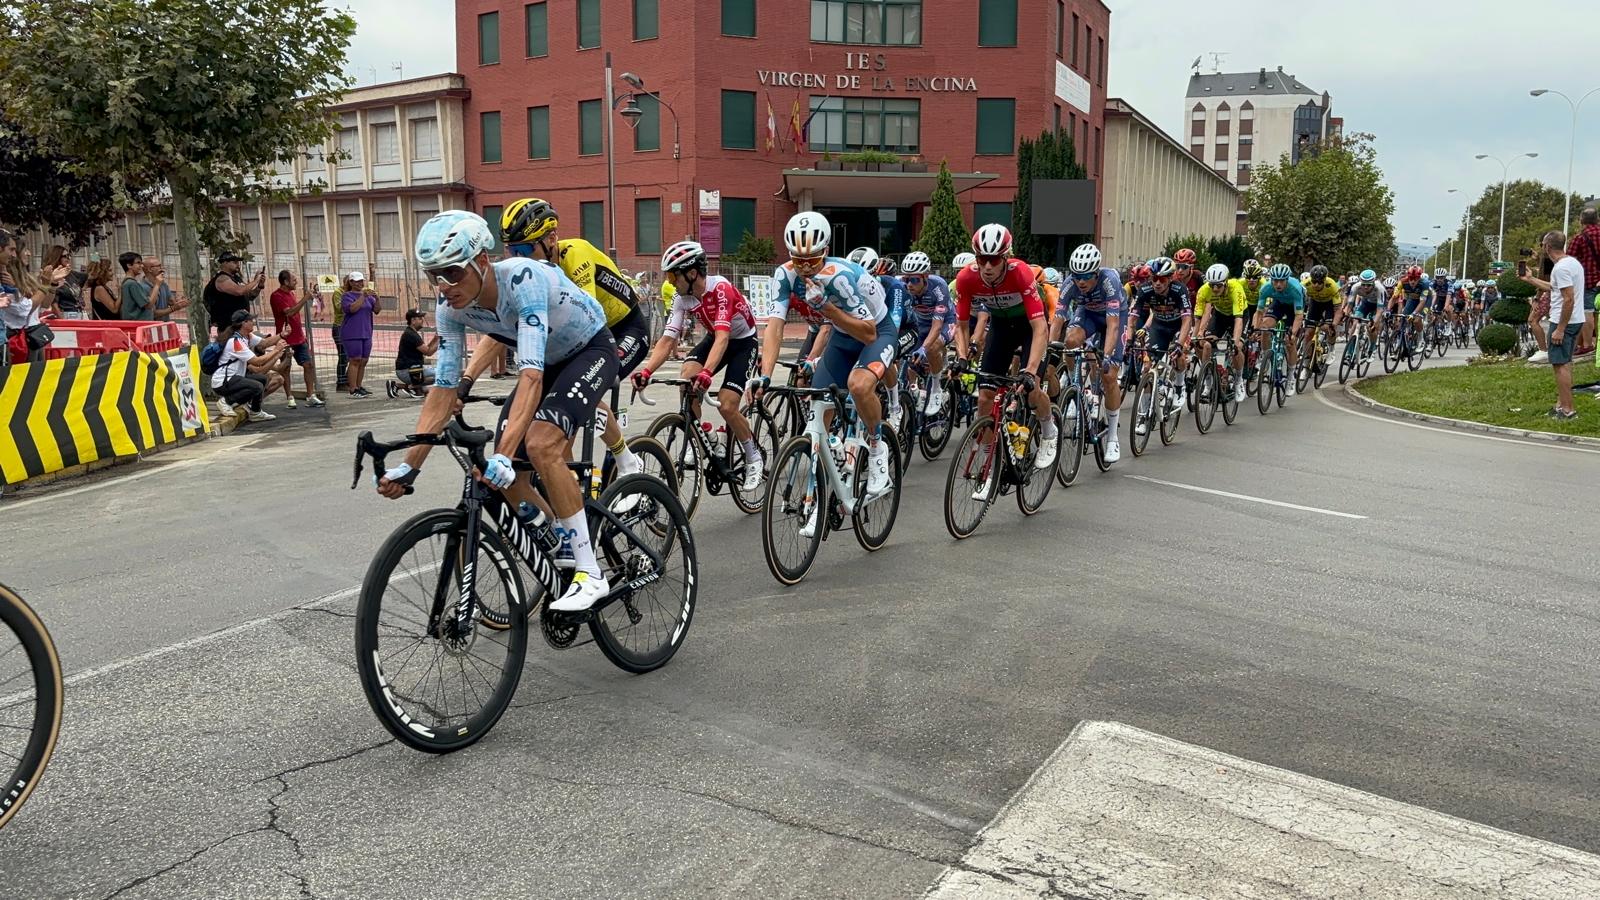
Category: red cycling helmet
<point>1184,257</point>
<point>1413,273</point>
<point>1142,273</point>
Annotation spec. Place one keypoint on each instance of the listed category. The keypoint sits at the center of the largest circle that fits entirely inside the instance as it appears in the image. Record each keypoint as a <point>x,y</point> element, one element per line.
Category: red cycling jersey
<point>719,308</point>
<point>1014,297</point>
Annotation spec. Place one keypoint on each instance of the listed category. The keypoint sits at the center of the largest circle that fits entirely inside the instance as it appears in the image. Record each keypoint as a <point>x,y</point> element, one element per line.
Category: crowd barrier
<point>83,337</point>
<point>76,410</point>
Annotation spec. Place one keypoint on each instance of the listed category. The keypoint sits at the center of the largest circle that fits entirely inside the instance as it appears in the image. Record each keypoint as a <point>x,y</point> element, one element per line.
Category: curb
<point>1549,437</point>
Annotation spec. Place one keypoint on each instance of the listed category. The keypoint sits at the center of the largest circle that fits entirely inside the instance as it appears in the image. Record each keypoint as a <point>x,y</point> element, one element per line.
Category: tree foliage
<point>752,251</point>
<point>1514,288</point>
<point>944,233</point>
<point>1231,251</point>
<point>1532,208</point>
<point>1052,155</point>
<point>1496,338</point>
<point>156,96</point>
<point>1330,208</point>
<point>41,189</point>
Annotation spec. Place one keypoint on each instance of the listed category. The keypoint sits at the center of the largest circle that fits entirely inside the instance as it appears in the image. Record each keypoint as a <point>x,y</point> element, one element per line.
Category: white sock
<point>750,449</point>
<point>1113,419</point>
<point>582,551</point>
<point>625,457</point>
<point>1048,429</point>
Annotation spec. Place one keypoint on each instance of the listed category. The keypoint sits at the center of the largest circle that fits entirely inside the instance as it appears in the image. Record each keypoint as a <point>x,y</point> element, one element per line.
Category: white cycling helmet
<point>1217,274</point>
<point>1052,277</point>
<point>453,238</point>
<point>684,255</point>
<point>1305,276</point>
<point>1440,273</point>
<point>1390,282</point>
<point>866,258</point>
<point>1368,276</point>
<point>962,260</point>
<point>1162,267</point>
<point>1085,260</point>
<point>992,240</point>
<point>916,263</point>
<point>807,234</point>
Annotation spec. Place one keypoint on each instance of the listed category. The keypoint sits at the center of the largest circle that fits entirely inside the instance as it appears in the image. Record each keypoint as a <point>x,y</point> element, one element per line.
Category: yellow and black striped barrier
<point>69,412</point>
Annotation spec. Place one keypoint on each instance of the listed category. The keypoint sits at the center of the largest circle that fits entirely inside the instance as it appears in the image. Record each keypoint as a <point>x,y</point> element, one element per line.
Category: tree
<point>944,233</point>
<point>1203,257</point>
<point>153,95</point>
<point>40,189</point>
<point>1051,156</point>
<point>752,251</point>
<point>1231,251</point>
<point>1330,208</point>
<point>1532,207</point>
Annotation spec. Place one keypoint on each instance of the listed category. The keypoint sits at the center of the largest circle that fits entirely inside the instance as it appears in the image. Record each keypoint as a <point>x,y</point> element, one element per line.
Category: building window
<point>316,232</point>
<point>1055,121</point>
<point>1061,27</point>
<point>282,232</point>
<point>538,132</point>
<point>592,222</point>
<point>490,125</point>
<point>859,123</point>
<point>350,233</point>
<point>738,220</point>
<point>385,143</point>
<point>1198,151</point>
<point>647,128</point>
<point>1075,22</point>
<point>997,23</point>
<point>739,17</point>
<point>1247,118</point>
<point>1246,149</point>
<point>1088,51</point>
<point>1072,134</point>
<point>387,226</point>
<point>738,120</point>
<point>588,24</point>
<point>1102,80</point>
<point>1224,125</point>
<point>1095,151</point>
<point>424,138</point>
<point>590,140</point>
<point>990,214</point>
<point>646,20</point>
<point>647,226</point>
<point>488,39</point>
<point>1083,142</point>
<point>536,29</point>
<point>997,119</point>
<point>316,161</point>
<point>1222,152</point>
<point>491,214</point>
<point>893,23</point>
<point>1244,174</point>
<point>349,148</point>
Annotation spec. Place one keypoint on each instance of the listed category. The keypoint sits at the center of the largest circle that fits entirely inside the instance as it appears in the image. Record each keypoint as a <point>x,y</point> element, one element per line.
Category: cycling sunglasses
<point>520,249</point>
<point>915,279</point>
<point>990,260</point>
<point>449,276</point>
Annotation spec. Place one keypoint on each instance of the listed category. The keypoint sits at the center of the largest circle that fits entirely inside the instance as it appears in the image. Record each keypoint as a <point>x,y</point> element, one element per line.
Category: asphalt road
<point>845,738</point>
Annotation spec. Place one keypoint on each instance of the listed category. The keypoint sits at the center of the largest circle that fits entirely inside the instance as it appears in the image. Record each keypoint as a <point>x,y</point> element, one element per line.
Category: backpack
<point>210,358</point>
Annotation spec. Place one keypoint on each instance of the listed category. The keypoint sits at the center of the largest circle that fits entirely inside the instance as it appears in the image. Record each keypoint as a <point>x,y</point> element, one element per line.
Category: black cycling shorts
<point>1221,324</point>
<point>1320,311</point>
<point>1008,337</point>
<point>1162,335</point>
<point>1282,311</point>
<point>632,335</point>
<point>737,362</point>
<point>572,388</point>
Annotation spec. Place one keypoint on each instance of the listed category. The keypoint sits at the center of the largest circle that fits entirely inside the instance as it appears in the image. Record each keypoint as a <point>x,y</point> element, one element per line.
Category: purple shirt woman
<point>360,304</point>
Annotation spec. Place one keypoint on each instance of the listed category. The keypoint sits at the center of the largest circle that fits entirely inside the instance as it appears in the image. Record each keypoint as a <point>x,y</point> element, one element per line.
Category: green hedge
<point>1513,287</point>
<point>1496,338</point>
<point>1510,312</point>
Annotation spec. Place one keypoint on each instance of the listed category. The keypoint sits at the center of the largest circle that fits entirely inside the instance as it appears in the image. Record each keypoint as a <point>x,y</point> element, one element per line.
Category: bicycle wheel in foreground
<point>1074,433</point>
<point>30,701</point>
<point>795,511</point>
<point>439,689</point>
<point>973,482</point>
<point>648,545</point>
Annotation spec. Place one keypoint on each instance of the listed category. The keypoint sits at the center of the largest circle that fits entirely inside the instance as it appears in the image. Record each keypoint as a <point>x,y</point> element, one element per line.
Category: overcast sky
<point>1432,108</point>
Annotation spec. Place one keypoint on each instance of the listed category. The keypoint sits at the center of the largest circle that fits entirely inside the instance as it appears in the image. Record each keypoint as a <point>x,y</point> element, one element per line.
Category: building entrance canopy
<point>811,188</point>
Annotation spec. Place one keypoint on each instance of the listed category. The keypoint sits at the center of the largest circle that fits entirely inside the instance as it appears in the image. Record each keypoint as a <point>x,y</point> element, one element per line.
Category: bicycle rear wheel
<point>937,428</point>
<point>1074,434</point>
<point>673,434</point>
<point>1169,410</point>
<point>641,630</point>
<point>905,435</point>
<point>973,481</point>
<point>1263,389</point>
<point>1205,401</point>
<point>765,433</point>
<point>30,714</point>
<point>797,502</point>
<point>873,521</point>
<point>1227,396</point>
<point>657,461</point>
<point>434,689</point>
<point>1144,414</point>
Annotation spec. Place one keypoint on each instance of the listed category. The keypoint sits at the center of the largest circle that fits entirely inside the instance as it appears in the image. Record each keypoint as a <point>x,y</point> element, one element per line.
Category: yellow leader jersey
<point>594,271</point>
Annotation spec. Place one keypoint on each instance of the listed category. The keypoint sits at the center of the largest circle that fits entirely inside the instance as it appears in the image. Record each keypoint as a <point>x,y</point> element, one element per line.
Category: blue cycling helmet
<point>1280,272</point>
<point>1368,276</point>
<point>453,238</point>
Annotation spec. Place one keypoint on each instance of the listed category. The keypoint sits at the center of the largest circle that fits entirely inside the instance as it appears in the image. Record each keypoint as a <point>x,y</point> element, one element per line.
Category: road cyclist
<point>1282,299</point>
<point>1093,307</point>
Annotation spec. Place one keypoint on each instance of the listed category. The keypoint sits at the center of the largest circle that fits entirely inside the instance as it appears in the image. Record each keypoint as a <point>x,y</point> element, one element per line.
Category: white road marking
<point>1118,812</point>
<point>1231,495</point>
<point>1458,432</point>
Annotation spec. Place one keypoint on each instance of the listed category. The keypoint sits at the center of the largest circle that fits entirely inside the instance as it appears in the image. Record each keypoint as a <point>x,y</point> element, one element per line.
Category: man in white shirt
<point>1566,316</point>
<point>247,369</point>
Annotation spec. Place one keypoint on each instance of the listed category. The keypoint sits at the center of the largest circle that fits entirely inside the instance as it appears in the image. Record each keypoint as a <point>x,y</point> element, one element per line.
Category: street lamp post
<point>1466,240</point>
<point>611,165</point>
<point>638,85</point>
<point>1572,149</point>
<point>1505,168</point>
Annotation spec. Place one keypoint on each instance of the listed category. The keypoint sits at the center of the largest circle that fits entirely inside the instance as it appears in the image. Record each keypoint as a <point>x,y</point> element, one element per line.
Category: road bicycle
<point>1400,344</point>
<point>1080,407</point>
<point>931,433</point>
<point>1311,367</point>
<point>788,412</point>
<point>996,456</point>
<point>1357,355</point>
<point>1272,373</point>
<point>818,479</point>
<point>442,618</point>
<point>31,692</point>
<point>1155,398</point>
<point>1218,386</point>
<point>709,459</point>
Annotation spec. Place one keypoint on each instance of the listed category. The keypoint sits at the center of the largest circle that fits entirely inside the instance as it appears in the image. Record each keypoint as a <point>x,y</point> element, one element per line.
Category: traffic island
<point>1513,397</point>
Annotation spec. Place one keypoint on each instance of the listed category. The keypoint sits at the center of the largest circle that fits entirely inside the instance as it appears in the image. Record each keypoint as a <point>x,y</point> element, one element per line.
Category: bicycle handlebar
<point>456,432</point>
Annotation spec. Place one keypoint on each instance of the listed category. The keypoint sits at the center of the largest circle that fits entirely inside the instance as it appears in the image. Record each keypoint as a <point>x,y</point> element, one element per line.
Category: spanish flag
<point>795,135</point>
<point>772,126</point>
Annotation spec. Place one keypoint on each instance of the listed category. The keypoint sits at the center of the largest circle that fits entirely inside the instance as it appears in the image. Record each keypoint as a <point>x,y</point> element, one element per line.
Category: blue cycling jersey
<point>1105,296</point>
<point>894,297</point>
<point>1169,307</point>
<point>539,310</point>
<point>1293,292</point>
<point>839,282</point>
<point>933,305</point>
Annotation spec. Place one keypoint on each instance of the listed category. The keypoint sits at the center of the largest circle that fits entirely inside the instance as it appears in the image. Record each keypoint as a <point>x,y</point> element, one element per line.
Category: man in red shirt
<point>1585,248</point>
<point>286,318</point>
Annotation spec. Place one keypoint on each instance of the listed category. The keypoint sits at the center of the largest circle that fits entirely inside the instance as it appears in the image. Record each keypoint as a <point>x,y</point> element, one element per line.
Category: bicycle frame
<point>840,483</point>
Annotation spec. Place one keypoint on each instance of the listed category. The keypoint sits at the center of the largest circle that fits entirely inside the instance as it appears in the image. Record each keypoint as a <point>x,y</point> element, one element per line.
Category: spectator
<point>68,284</point>
<point>341,370</point>
<point>1566,319</point>
<point>244,376</point>
<point>136,304</point>
<point>1538,311</point>
<point>227,292</point>
<point>97,290</point>
<point>286,318</point>
<point>360,304</point>
<point>21,300</point>
<point>1585,248</point>
<point>411,371</point>
<point>167,302</point>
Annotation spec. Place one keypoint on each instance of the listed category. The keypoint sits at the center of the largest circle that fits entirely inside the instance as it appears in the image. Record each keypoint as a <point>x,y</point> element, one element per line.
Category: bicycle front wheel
<point>1264,386</point>
<point>1035,482</point>
<point>649,545</point>
<point>1205,399</point>
<point>435,686</point>
<point>795,511</point>
<point>1144,414</point>
<point>936,429</point>
<point>30,714</point>
<point>974,480</point>
<point>765,433</point>
<point>1074,435</point>
<point>873,520</point>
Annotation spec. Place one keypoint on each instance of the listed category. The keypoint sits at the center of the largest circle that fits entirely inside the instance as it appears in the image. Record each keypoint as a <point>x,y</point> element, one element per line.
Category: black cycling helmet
<point>526,221</point>
<point>1318,273</point>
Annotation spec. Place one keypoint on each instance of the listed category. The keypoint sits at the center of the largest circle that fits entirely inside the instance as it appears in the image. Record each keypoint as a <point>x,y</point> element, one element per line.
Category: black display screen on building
<point>1063,206</point>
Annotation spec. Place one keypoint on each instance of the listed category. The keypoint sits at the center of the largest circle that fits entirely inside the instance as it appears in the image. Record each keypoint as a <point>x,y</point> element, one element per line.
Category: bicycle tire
<point>1144,393</point>
<point>47,700</point>
<point>1099,442</point>
<point>796,472</point>
<point>1263,389</point>
<point>766,438</point>
<point>1205,401</point>
<point>1074,435</point>
<point>1414,359</point>
<point>657,462</point>
<point>1036,482</point>
<point>387,697</point>
<point>868,516</point>
<point>905,434</point>
<point>968,471</point>
<point>1228,398</point>
<point>1347,361</point>
<point>670,430</point>
<point>672,613</point>
<point>934,435</point>
<point>1172,418</point>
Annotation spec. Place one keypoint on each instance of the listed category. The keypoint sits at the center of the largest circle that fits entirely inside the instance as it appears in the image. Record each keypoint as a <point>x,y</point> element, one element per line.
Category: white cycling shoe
<point>1048,444</point>
<point>810,526</point>
<point>1113,451</point>
<point>584,592</point>
<point>935,404</point>
<point>878,468</point>
<point>754,474</point>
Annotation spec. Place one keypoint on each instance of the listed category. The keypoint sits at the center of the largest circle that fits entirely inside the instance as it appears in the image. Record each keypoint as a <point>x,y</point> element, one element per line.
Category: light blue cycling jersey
<point>840,282</point>
<point>540,310</point>
<point>1295,293</point>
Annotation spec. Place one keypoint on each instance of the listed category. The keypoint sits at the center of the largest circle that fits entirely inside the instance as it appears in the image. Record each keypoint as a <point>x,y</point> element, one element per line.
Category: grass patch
<point>1513,395</point>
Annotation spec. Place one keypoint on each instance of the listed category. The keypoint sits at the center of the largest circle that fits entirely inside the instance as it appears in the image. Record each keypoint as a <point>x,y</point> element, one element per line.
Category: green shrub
<point>1496,339</point>
<point>1510,312</point>
<point>752,251</point>
<point>869,156</point>
<point>1513,287</point>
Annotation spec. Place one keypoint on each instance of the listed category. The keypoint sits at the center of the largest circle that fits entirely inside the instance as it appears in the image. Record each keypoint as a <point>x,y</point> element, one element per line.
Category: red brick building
<point>927,80</point>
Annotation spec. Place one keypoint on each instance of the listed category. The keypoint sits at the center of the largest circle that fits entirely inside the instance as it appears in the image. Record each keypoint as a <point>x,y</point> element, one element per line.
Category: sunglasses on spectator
<point>990,260</point>
<point>449,276</point>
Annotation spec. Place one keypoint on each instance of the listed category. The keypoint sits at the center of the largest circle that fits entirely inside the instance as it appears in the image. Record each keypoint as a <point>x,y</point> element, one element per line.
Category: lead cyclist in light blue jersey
<point>566,358</point>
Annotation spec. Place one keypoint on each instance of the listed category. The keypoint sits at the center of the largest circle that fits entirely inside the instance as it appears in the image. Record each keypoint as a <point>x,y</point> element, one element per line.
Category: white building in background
<point>1240,119</point>
<point>1155,189</point>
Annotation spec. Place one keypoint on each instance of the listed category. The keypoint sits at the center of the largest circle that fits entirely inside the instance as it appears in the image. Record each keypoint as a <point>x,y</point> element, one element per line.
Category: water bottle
<point>538,524</point>
<point>836,450</point>
<point>1018,435</point>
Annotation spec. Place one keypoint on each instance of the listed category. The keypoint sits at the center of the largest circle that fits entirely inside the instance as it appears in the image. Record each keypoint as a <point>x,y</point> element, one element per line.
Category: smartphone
<point>1522,268</point>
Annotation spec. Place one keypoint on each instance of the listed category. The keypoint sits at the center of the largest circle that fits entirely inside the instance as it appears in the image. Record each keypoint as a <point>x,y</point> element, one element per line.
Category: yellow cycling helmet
<point>527,220</point>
